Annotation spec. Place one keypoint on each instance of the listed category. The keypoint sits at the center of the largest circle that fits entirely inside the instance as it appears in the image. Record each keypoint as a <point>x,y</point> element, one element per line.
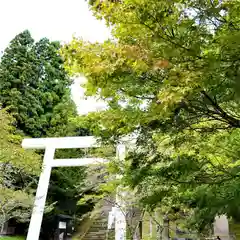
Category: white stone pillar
<point>221,227</point>
<point>120,217</point>
<point>41,195</point>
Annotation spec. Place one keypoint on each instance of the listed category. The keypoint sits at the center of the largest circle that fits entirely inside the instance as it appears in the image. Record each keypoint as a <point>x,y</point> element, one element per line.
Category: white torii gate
<point>50,145</point>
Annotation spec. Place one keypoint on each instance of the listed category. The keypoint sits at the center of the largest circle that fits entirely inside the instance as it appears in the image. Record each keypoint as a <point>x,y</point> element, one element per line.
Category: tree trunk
<point>3,225</point>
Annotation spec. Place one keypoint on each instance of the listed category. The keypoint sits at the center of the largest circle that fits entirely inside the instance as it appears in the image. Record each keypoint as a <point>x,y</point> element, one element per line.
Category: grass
<point>12,238</point>
<point>234,229</point>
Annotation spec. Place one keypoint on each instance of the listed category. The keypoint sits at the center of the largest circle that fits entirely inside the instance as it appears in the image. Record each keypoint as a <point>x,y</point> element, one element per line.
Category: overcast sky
<point>56,20</point>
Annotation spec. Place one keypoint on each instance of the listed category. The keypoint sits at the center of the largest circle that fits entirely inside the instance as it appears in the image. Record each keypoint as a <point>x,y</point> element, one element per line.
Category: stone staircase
<point>99,224</point>
<point>96,227</point>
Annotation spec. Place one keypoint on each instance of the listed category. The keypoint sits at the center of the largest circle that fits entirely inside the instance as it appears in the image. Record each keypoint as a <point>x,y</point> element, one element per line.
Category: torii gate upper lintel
<point>50,145</point>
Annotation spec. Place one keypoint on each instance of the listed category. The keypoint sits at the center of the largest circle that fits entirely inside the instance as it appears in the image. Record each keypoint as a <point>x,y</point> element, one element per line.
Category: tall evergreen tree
<point>33,82</point>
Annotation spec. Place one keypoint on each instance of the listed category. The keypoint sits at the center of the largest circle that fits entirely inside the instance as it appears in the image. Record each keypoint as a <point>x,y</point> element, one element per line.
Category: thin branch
<point>168,38</point>
<point>231,120</point>
<point>123,212</point>
<point>138,97</point>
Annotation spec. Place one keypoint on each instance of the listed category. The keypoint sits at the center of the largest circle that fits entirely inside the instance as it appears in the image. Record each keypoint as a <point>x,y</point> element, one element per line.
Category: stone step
<point>98,229</point>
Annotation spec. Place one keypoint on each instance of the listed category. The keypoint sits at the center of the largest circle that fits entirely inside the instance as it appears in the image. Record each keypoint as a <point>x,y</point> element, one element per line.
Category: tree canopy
<point>17,166</point>
<point>11,151</point>
<point>170,77</point>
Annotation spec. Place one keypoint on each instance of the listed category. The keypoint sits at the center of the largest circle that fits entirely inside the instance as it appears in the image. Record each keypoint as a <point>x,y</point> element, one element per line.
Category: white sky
<point>56,20</point>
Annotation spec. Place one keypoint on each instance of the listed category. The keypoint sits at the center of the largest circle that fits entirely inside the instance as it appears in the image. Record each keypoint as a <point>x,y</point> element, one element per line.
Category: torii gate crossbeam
<point>50,145</point>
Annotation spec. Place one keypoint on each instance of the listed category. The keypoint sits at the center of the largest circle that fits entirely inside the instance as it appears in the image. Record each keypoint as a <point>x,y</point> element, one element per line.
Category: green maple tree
<point>170,77</point>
